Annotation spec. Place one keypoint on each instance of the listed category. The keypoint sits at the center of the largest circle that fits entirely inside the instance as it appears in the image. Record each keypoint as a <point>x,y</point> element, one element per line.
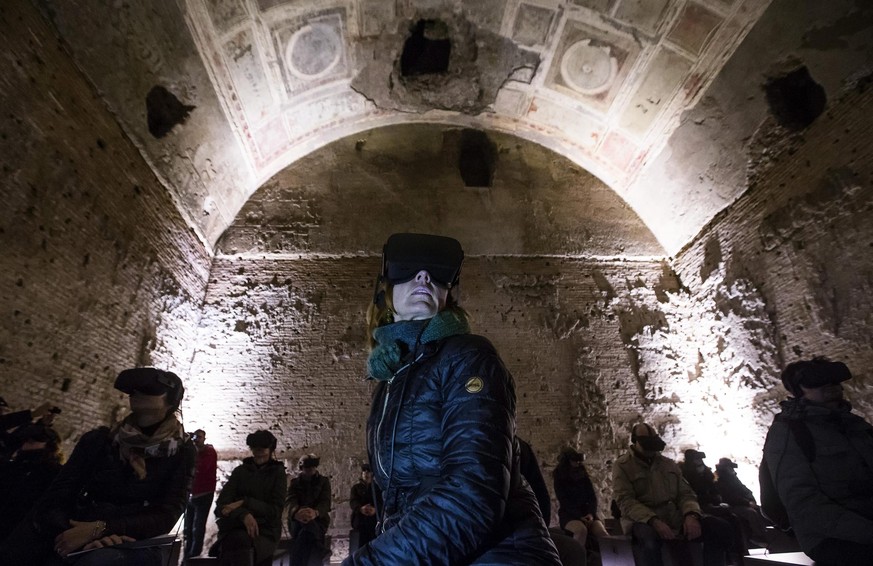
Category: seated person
<point>363,508</point>
<point>577,501</point>
<point>657,504</point>
<point>741,502</point>
<point>26,477</point>
<point>701,479</point>
<point>308,511</point>
<point>10,421</point>
<point>570,551</point>
<point>820,459</point>
<point>249,508</point>
<point>122,484</point>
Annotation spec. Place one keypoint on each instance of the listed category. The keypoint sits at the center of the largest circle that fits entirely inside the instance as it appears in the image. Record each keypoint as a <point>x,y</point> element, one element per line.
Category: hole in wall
<point>426,50</point>
<point>164,111</point>
<point>795,99</point>
<point>477,158</point>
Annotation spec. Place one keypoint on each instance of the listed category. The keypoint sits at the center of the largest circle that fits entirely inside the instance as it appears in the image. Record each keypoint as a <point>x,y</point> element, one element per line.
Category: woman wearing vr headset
<point>120,485</point>
<point>441,434</point>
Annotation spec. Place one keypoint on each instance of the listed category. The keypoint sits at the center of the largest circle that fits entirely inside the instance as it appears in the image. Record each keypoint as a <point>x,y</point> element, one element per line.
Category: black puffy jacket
<point>442,449</point>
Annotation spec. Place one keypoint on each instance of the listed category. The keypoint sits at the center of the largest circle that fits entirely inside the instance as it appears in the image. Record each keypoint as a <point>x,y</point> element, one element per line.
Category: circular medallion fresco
<point>313,51</point>
<point>588,69</point>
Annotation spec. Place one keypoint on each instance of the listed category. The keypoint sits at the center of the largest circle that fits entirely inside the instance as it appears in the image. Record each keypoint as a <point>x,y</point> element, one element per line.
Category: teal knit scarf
<point>393,341</point>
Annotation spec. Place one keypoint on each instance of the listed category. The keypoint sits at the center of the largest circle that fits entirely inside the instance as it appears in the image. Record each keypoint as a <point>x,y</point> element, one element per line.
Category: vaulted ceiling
<point>220,95</point>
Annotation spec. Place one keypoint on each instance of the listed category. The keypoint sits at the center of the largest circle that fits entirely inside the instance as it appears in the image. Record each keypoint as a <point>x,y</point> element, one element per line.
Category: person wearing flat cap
<point>441,433</point>
<point>820,458</point>
<point>121,485</point>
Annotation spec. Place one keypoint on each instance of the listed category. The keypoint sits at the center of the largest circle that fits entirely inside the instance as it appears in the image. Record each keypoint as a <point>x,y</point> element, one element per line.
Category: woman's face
<point>418,299</point>
<point>149,408</point>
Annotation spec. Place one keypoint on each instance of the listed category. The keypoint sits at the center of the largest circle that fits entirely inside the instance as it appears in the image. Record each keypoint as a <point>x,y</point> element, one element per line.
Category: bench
<point>779,559</point>
<point>617,550</point>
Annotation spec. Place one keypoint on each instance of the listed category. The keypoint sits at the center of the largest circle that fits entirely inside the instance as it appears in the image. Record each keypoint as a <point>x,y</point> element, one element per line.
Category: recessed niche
<point>477,159</point>
<point>427,49</point>
<point>795,99</point>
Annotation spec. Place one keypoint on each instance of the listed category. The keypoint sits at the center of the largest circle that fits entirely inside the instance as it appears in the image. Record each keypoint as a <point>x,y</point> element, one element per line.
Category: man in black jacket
<point>249,508</point>
<point>308,511</point>
<point>819,456</point>
<point>363,509</point>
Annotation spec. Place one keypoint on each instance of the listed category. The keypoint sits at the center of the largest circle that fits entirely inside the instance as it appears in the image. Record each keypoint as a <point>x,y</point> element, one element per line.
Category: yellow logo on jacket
<point>475,385</point>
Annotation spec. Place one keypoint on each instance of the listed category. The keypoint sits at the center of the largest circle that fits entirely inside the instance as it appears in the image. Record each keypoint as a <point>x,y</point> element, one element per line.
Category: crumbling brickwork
<point>99,270</point>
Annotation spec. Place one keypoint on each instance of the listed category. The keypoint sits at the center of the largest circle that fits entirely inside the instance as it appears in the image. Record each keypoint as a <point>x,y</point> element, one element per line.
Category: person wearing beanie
<point>249,508</point>
<point>819,457</point>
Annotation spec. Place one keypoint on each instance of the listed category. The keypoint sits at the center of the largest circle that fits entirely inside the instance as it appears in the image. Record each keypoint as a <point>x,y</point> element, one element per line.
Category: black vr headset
<point>151,381</point>
<point>261,439</point>
<point>404,255</point>
<point>309,461</point>
<point>813,373</point>
<point>651,442</point>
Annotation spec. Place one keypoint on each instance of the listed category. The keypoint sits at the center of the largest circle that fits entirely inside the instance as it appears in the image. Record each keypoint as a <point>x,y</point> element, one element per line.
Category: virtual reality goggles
<point>309,461</point>
<point>151,381</point>
<point>817,372</point>
<point>404,255</point>
<point>261,439</point>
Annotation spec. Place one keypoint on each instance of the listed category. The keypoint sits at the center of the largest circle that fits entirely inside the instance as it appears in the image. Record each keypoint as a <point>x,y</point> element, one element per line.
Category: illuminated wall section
<point>99,270</point>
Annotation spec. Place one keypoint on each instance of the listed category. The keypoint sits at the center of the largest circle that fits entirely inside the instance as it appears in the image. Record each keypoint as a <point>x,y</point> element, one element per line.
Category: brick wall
<point>99,271</point>
<point>281,346</point>
<point>802,236</point>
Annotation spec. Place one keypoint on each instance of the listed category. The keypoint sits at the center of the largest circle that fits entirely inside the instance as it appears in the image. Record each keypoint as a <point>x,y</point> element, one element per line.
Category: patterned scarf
<point>135,447</point>
<point>394,341</point>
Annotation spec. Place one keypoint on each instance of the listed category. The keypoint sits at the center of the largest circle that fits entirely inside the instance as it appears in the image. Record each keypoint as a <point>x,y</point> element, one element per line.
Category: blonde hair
<point>382,312</point>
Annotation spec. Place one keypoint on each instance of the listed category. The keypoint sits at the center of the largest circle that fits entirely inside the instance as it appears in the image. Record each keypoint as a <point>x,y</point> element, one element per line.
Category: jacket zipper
<point>385,409</point>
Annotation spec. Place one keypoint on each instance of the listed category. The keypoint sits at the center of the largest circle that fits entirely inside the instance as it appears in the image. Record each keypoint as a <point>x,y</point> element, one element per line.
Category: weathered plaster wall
<point>348,197</point>
<point>99,271</point>
<point>795,254</point>
<point>705,162</point>
<point>126,49</point>
<point>282,347</point>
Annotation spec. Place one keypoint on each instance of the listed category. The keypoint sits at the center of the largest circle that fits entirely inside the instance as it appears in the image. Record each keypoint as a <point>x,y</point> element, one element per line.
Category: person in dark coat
<point>249,508</point>
<point>441,432</point>
<point>741,502</point>
<point>577,501</point>
<point>308,503</point>
<point>121,485</point>
<point>31,470</point>
<point>701,479</point>
<point>820,458</point>
<point>363,508</point>
<point>570,551</point>
<point>9,421</point>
